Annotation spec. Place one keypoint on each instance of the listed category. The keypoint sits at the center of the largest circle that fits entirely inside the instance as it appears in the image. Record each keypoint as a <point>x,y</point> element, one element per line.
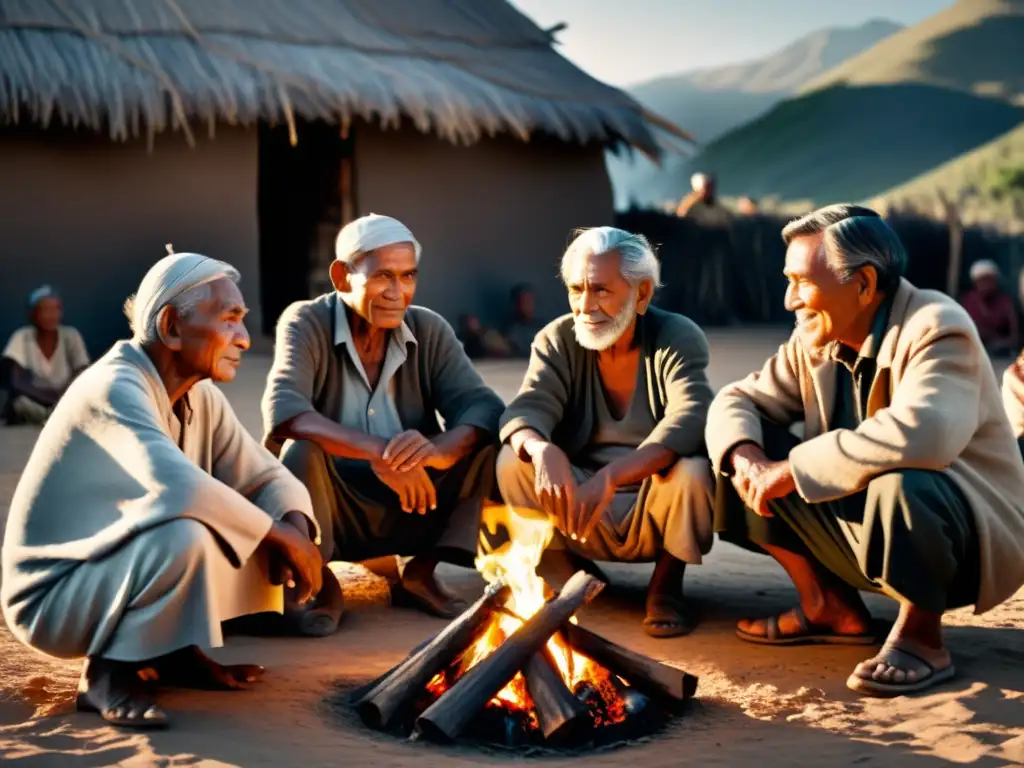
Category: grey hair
<point>184,305</point>
<point>855,237</point>
<point>638,260</point>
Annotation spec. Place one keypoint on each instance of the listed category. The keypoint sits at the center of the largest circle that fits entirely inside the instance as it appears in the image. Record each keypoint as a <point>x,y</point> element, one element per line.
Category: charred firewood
<point>446,717</point>
<point>561,715</point>
<point>379,705</point>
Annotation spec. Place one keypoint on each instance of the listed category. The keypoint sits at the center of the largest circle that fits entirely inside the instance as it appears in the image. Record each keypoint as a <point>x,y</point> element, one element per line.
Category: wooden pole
<point>381,703</point>
<point>645,674</point>
<point>445,719</point>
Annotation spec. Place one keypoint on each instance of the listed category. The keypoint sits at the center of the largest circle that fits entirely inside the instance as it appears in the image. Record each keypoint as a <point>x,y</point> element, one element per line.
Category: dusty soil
<point>775,707</point>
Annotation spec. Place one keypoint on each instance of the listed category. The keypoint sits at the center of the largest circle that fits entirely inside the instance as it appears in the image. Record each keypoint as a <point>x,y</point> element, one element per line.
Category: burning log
<point>446,717</point>
<point>560,714</point>
<point>391,692</point>
<point>646,675</point>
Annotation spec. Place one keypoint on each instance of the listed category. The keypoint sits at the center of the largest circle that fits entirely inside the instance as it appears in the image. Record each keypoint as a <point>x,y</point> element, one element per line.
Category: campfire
<point>516,668</point>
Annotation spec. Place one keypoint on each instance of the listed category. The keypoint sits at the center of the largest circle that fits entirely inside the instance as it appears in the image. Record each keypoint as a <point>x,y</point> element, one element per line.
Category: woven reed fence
<point>733,275</point>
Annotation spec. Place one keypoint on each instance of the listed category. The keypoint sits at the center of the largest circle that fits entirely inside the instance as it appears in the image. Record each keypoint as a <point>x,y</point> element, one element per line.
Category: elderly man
<point>992,309</point>
<point>907,482</point>
<point>358,379</point>
<point>606,433</point>
<point>147,515</point>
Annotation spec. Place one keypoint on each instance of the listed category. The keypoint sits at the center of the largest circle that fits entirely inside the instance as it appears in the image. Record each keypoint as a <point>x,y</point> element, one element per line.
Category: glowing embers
<point>516,669</point>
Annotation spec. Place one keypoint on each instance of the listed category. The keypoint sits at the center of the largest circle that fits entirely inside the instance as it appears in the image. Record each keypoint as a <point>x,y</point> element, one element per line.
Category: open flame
<point>515,562</point>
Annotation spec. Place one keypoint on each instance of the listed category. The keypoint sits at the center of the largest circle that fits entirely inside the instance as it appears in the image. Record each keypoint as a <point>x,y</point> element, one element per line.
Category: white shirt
<point>53,373</point>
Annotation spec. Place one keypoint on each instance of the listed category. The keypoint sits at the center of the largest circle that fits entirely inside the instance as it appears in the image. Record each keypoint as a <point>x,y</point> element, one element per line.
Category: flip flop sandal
<point>668,617</point>
<point>808,634</point>
<point>131,698</point>
<point>900,658</point>
<point>440,605</point>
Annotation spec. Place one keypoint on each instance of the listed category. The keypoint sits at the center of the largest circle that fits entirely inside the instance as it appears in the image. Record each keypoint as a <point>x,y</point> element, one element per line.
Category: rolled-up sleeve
<point>291,382</point>
<point>459,392</point>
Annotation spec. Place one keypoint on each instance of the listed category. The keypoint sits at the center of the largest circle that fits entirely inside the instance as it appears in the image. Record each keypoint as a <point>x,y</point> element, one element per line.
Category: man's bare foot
<point>419,588</point>
<point>191,668</point>
<point>912,659</point>
<point>322,615</point>
<point>114,690</point>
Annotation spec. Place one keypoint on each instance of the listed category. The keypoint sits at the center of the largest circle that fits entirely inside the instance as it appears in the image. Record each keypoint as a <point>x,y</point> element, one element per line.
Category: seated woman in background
<point>43,358</point>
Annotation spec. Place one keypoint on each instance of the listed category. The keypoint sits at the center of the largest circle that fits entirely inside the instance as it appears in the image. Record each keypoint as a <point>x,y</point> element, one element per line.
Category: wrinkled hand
<point>414,487</point>
<point>555,484</point>
<point>408,450</point>
<point>295,557</point>
<point>592,499</point>
<point>758,480</point>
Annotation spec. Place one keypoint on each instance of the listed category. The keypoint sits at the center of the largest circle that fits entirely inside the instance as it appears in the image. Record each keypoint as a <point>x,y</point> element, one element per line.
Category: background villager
<point>147,514</point>
<point>606,433</point>
<point>992,309</point>
<point>351,403</point>
<point>908,480</point>
<point>41,360</point>
<point>524,326</point>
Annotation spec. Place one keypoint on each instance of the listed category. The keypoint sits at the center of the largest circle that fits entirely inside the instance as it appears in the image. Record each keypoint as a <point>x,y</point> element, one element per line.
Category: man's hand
<point>554,484</point>
<point>592,499</point>
<point>408,450</point>
<point>414,487</point>
<point>758,480</point>
<point>295,553</point>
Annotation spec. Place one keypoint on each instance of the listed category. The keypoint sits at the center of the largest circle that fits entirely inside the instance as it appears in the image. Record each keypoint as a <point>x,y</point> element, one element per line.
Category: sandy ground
<point>776,707</point>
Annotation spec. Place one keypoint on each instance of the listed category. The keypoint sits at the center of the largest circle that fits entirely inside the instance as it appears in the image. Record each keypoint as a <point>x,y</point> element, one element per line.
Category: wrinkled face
<point>47,313</point>
<point>211,338</point>
<point>826,309</point>
<point>381,285</point>
<point>604,305</point>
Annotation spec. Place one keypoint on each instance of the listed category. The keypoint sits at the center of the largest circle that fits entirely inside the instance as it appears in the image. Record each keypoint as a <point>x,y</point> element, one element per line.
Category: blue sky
<point>623,42</point>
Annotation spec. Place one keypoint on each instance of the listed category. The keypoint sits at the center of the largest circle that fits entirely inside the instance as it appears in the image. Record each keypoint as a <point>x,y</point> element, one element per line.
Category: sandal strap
<point>888,648</point>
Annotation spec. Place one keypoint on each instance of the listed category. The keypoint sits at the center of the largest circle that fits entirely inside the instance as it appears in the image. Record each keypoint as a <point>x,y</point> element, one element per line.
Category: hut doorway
<point>304,195</point>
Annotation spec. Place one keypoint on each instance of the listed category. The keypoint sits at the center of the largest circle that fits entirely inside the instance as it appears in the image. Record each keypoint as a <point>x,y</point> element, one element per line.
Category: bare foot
<point>322,616</point>
<point>191,668</point>
<point>113,690</point>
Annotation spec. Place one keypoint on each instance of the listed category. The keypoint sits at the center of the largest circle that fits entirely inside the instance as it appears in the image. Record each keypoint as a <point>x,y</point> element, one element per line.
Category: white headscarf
<point>984,267</point>
<point>370,232</point>
<point>168,279</point>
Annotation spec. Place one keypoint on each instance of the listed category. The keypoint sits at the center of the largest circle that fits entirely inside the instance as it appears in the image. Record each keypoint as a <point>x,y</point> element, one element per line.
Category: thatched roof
<point>460,68</point>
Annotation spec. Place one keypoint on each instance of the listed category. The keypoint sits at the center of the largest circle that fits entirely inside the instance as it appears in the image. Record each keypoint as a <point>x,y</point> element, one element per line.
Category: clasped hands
<point>402,467</point>
<point>759,480</point>
<point>576,509</point>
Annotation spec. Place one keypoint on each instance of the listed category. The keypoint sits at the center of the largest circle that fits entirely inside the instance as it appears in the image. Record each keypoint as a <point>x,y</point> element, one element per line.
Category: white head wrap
<point>984,267</point>
<point>168,279</point>
<point>370,232</point>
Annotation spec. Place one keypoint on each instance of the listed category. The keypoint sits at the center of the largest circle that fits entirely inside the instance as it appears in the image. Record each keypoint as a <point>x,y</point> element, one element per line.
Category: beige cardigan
<point>934,404</point>
<point>1013,400</point>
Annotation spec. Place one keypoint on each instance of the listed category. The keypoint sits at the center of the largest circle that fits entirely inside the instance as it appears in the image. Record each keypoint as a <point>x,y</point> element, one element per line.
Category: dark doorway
<point>300,206</point>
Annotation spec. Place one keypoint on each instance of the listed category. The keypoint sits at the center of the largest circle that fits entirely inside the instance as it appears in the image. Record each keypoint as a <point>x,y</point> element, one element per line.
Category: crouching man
<point>606,433</point>
<point>147,515</point>
<point>908,480</point>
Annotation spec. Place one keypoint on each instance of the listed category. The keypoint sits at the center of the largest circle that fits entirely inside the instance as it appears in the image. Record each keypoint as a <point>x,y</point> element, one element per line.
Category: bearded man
<point>352,403</point>
<point>908,480</point>
<point>147,514</point>
<point>606,433</point>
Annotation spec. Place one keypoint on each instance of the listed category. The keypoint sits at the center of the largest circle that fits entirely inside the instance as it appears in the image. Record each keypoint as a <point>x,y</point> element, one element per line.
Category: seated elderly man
<point>43,358</point>
<point>1013,398</point>
<point>606,433</point>
<point>147,515</point>
<point>358,380</point>
<point>907,482</point>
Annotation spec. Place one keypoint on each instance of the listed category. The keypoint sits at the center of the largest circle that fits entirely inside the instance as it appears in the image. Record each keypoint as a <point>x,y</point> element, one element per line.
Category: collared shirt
<point>368,409</point>
<point>856,372</point>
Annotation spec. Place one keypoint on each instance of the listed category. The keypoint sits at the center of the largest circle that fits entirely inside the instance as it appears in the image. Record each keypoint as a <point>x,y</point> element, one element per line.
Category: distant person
<point>702,204</point>
<point>907,482</point>
<point>1013,398</point>
<point>992,309</point>
<point>524,325</point>
<point>43,358</point>
<point>747,206</point>
<point>606,432</point>
<point>478,340</point>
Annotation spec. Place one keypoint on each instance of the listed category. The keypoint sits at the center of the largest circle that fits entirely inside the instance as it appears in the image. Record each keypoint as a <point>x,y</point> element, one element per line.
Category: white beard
<point>600,340</point>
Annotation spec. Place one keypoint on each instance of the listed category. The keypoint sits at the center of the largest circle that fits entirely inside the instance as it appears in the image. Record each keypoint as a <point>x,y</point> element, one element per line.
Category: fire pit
<point>515,668</point>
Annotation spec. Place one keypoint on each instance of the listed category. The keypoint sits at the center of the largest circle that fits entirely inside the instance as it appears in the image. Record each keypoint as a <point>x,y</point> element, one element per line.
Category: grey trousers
<point>168,588</point>
<point>671,513</point>
<point>361,518</point>
<point>910,534</point>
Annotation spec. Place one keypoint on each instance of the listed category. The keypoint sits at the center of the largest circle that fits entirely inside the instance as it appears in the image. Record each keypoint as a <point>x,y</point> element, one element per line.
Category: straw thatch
<point>460,68</point>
